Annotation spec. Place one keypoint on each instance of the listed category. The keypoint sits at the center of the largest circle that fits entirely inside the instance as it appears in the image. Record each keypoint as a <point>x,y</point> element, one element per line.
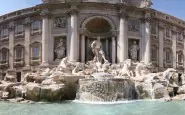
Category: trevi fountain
<point>95,88</point>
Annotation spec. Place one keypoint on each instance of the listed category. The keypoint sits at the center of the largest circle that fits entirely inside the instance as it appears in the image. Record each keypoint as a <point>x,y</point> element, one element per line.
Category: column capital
<point>82,30</point>
<point>161,25</point>
<point>27,21</point>
<point>11,26</point>
<point>174,30</point>
<point>123,13</point>
<point>146,19</point>
<point>74,9</point>
<point>45,13</point>
<point>114,33</point>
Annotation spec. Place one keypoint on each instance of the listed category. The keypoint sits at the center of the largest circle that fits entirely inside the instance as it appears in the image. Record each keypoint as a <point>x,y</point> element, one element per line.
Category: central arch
<point>98,28</point>
<point>98,25</point>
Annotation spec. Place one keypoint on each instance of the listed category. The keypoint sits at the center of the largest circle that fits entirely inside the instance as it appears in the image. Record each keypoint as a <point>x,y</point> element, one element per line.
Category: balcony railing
<point>35,61</point>
<point>19,35</point>
<point>36,32</point>
<point>4,64</point>
<point>19,62</point>
<point>180,65</point>
<point>4,38</point>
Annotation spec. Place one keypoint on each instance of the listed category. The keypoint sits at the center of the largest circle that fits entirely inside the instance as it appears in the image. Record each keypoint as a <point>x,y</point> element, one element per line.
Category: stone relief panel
<point>60,22</point>
<point>60,47</point>
<point>134,25</point>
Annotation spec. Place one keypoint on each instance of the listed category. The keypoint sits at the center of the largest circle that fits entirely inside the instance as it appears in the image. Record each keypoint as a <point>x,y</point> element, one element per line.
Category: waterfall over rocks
<point>104,90</point>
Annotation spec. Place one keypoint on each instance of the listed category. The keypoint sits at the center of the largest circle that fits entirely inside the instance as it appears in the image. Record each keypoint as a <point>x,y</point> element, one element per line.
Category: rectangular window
<point>36,25</point>
<point>153,28</point>
<point>19,29</point>
<point>179,58</point>
<point>19,53</point>
<point>167,33</point>
<point>154,54</point>
<point>168,56</point>
<point>179,37</point>
<point>4,33</point>
<point>4,55</point>
<point>35,52</point>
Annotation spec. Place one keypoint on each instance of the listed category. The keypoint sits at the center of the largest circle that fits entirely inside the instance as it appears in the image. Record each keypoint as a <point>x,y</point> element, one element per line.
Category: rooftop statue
<point>138,3</point>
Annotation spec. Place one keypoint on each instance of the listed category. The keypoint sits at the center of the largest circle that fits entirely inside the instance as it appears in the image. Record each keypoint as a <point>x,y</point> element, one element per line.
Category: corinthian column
<point>146,42</point>
<point>74,39</point>
<point>45,37</point>
<point>123,39</point>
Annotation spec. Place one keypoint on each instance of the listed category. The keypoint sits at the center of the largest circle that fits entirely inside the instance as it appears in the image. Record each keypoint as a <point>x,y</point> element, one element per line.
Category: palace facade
<point>42,35</point>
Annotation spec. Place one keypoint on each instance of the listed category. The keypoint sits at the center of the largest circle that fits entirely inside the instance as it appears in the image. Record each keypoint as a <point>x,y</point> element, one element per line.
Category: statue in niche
<point>134,51</point>
<point>98,52</point>
<point>60,49</point>
<point>60,22</point>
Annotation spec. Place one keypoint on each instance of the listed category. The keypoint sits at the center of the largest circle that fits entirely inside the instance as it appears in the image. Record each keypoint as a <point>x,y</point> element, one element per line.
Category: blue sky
<point>173,7</point>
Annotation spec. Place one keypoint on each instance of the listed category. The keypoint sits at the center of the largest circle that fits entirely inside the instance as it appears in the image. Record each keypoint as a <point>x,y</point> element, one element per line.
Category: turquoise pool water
<point>74,108</point>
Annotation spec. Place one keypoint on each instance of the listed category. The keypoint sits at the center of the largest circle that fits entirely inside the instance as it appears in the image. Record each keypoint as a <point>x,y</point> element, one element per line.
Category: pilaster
<point>161,45</point>
<point>45,37</point>
<point>27,27</point>
<point>83,48</point>
<point>113,49</point>
<point>174,48</point>
<point>11,45</point>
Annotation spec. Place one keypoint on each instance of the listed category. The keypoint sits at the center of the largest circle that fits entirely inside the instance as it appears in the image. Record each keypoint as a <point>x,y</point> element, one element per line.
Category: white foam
<point>114,102</point>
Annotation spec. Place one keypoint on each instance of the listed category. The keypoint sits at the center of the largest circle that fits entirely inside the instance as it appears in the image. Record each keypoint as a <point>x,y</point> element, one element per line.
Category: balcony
<point>19,62</point>
<point>36,32</point>
<point>4,64</point>
<point>19,35</point>
<point>35,61</point>
<point>4,38</point>
<point>180,65</point>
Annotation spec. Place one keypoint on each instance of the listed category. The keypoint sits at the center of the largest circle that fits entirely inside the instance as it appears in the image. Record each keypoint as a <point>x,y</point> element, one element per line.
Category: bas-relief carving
<point>60,22</point>
<point>134,26</point>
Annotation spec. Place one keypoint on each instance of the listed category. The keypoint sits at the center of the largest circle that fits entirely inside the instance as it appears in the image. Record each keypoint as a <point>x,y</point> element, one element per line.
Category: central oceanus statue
<point>98,52</point>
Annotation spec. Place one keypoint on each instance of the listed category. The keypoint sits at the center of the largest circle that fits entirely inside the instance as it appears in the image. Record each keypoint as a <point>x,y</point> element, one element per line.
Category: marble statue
<point>142,69</point>
<point>98,52</point>
<point>134,51</point>
<point>79,69</point>
<point>60,49</point>
<point>126,70</point>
